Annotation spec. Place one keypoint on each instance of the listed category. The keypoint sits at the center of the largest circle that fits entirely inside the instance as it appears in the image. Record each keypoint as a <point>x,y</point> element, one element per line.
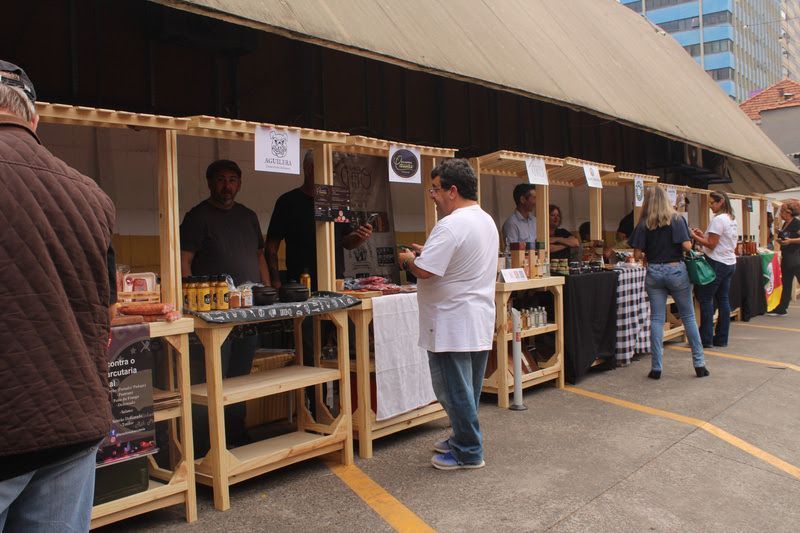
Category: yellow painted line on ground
<point>718,432</point>
<point>749,359</point>
<point>779,328</point>
<point>387,506</point>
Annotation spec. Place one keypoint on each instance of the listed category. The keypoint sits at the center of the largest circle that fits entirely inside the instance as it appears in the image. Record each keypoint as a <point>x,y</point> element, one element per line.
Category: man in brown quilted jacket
<point>54,293</point>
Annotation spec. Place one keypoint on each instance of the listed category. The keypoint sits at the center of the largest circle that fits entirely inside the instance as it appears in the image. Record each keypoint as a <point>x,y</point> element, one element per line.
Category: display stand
<point>223,467</point>
<point>176,486</point>
<point>365,425</point>
<point>510,164</point>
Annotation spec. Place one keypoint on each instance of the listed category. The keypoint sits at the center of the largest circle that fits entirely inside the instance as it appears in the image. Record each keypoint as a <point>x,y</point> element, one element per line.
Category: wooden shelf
<point>249,387</point>
<point>332,363</point>
<point>535,283</point>
<point>532,332</point>
<point>163,329</point>
<point>157,496</point>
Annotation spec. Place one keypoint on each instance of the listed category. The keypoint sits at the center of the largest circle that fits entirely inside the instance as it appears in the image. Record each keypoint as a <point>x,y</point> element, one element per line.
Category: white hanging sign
<point>638,191</point>
<point>537,172</point>
<point>672,194</point>
<point>277,150</point>
<point>404,165</point>
<point>592,174</point>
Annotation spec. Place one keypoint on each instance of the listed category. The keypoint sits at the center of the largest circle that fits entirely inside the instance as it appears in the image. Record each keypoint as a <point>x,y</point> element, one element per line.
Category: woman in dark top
<point>789,239</point>
<point>663,235</point>
<point>562,242</point>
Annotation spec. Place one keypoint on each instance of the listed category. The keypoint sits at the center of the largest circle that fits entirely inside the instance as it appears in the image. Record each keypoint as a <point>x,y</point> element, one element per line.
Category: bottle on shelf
<point>305,279</point>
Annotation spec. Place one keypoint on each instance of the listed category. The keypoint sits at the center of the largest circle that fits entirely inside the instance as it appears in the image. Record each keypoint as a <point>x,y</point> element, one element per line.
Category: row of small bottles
<point>212,293</point>
<point>531,257</point>
<point>747,245</point>
<point>533,317</point>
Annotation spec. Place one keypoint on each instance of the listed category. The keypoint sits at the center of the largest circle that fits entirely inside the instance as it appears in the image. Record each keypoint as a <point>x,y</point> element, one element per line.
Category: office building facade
<point>738,42</point>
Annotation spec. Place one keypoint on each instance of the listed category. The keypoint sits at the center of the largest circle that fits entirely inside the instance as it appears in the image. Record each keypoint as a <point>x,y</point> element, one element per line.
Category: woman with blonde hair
<point>662,235</point>
<point>719,245</point>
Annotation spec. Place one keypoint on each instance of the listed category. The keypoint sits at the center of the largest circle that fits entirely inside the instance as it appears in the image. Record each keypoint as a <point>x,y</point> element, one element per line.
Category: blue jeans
<point>719,291</point>
<point>457,379</point>
<point>54,498</point>
<point>663,280</point>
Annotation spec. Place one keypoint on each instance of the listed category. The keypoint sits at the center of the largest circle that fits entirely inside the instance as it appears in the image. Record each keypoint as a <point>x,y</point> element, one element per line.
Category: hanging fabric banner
<point>367,179</point>
<point>638,191</point>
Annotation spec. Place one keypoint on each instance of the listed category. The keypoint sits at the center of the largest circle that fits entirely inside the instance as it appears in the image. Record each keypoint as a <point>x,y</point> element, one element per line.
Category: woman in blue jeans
<point>662,236</point>
<point>719,245</point>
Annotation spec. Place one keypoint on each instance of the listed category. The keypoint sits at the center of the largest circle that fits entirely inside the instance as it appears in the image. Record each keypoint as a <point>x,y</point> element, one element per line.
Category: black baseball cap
<point>14,76</point>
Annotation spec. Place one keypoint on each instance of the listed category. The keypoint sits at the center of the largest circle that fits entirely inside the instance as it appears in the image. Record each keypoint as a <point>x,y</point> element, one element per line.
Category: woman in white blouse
<point>719,245</point>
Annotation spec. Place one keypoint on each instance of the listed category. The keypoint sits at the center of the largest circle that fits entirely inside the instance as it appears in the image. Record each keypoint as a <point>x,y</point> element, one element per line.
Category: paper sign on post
<point>672,194</point>
<point>404,165</point>
<point>277,150</point>
<point>592,174</point>
<point>537,172</point>
<point>513,274</point>
<point>638,191</point>
<point>750,205</point>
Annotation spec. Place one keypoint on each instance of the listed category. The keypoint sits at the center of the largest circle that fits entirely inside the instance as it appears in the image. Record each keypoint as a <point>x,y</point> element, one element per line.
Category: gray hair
<point>14,101</point>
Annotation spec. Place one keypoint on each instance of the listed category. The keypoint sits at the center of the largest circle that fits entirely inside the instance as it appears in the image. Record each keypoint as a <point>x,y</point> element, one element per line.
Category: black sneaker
<point>777,313</point>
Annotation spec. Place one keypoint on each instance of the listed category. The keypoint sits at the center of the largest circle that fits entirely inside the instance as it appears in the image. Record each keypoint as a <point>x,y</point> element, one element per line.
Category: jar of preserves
<point>247,297</point>
<point>185,290</point>
<point>203,294</point>
<point>191,292</point>
<point>222,293</point>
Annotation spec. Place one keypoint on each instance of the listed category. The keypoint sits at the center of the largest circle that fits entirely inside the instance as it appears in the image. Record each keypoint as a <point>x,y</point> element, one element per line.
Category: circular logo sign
<point>404,163</point>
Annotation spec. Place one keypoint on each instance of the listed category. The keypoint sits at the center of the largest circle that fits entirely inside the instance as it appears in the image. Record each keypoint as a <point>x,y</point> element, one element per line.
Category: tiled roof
<point>773,97</point>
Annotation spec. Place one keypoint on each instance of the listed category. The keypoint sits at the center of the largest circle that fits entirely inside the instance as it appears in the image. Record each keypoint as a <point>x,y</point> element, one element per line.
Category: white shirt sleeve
<point>717,226</point>
<point>438,251</point>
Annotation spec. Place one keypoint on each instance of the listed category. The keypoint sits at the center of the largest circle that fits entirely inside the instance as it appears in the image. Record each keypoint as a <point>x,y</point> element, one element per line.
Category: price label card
<point>592,174</point>
<point>672,194</point>
<point>537,172</point>
<point>638,191</point>
<point>513,274</point>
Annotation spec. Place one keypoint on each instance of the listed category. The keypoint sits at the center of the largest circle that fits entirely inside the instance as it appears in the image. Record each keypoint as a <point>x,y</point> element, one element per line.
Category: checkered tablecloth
<point>633,315</point>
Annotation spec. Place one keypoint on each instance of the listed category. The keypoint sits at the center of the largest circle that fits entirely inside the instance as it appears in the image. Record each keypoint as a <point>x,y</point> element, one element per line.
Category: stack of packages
<point>134,313</point>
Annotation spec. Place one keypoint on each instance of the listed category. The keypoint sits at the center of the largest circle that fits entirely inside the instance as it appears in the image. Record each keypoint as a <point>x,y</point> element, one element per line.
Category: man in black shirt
<point>293,222</point>
<point>625,227</point>
<point>221,236</point>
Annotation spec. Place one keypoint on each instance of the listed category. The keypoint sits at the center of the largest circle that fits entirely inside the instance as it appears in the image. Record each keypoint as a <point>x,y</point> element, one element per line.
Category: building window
<point>710,19</point>
<point>711,47</point>
<point>656,4</point>
<point>636,6</point>
<point>719,74</point>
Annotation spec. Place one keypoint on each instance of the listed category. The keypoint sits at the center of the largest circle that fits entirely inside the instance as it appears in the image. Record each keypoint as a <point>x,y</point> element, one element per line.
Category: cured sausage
<point>146,309</point>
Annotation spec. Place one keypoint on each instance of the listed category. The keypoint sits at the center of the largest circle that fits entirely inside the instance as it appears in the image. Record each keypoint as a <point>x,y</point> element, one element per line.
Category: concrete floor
<point>572,463</point>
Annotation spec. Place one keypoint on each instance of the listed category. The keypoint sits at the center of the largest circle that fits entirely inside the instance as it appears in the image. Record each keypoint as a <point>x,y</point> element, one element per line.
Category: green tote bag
<point>700,272</point>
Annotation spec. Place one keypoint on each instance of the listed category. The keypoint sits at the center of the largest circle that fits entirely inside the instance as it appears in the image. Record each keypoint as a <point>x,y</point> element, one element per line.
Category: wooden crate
<point>269,408</point>
<point>139,296</point>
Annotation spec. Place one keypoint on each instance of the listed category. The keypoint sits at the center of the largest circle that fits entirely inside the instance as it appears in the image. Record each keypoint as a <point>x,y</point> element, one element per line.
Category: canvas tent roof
<point>591,55</point>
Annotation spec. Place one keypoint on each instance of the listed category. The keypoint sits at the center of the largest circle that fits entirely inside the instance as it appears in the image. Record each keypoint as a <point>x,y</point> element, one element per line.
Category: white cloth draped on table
<point>402,375</point>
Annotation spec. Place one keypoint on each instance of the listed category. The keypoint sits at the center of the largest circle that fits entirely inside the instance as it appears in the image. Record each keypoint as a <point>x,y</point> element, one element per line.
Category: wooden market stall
<point>366,426</point>
<point>512,165</point>
<point>326,434</point>
<point>175,486</point>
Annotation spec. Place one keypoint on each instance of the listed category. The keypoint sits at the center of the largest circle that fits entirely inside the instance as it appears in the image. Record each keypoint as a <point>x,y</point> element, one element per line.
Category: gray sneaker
<point>442,446</point>
<point>446,461</point>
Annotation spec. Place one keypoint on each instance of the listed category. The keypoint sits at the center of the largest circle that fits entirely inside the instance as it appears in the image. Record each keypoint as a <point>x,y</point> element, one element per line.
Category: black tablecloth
<point>590,321</point>
<point>747,287</point>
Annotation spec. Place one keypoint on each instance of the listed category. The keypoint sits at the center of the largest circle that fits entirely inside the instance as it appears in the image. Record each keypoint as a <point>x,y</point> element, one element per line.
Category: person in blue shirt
<point>521,225</point>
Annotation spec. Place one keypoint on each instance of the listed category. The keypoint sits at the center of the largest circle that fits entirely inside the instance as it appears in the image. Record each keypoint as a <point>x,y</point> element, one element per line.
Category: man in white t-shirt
<point>455,273</point>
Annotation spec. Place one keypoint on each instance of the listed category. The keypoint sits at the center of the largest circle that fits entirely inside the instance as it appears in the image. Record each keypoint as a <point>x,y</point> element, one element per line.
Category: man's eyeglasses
<point>434,190</point>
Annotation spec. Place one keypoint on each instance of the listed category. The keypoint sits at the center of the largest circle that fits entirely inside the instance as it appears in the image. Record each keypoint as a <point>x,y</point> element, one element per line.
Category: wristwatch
<point>405,265</point>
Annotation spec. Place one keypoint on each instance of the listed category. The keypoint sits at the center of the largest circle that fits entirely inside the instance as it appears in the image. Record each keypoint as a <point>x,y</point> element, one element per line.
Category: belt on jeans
<point>672,263</point>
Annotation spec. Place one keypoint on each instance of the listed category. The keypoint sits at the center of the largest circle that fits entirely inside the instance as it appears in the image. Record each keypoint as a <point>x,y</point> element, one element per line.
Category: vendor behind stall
<point>221,236</point>
<point>293,222</point>
<point>521,225</point>
<point>563,244</point>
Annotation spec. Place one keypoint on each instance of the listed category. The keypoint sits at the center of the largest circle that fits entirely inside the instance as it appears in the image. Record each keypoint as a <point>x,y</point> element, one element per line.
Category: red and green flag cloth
<point>773,286</point>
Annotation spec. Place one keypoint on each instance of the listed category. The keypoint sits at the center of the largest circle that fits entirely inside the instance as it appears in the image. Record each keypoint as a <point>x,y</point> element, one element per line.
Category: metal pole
<point>516,350</point>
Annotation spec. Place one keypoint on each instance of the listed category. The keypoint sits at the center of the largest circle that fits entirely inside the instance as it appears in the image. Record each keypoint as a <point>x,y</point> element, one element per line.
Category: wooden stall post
<point>168,218</point>
<point>596,214</point>
<point>763,225</point>
<point>431,216</point>
<point>745,226</point>
<point>326,258</point>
